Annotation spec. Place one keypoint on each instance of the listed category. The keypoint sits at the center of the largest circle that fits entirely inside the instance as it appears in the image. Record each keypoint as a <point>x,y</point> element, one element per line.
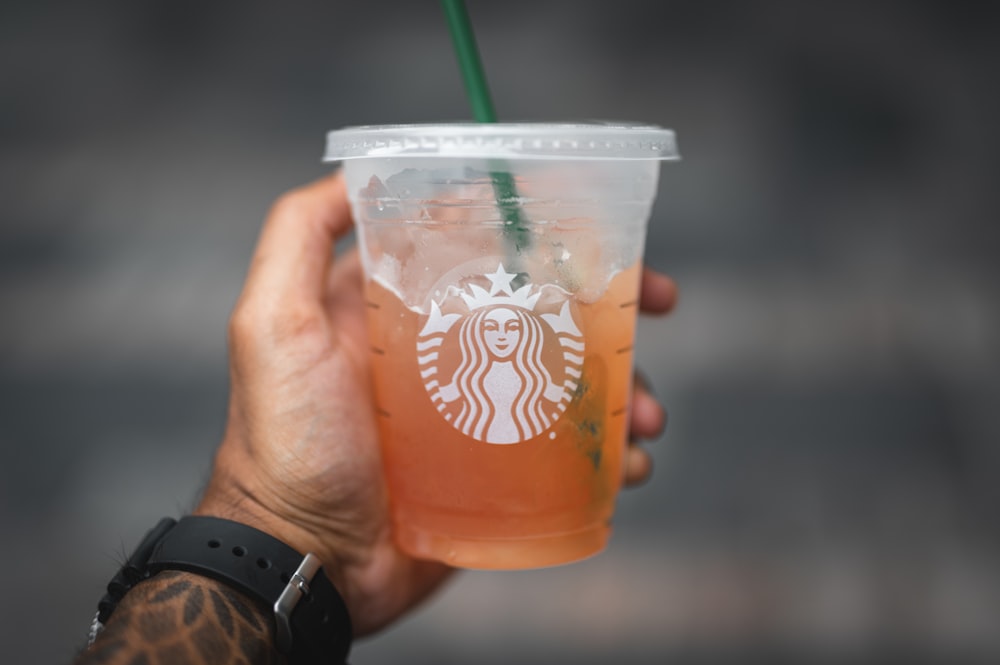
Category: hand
<point>658,296</point>
<point>300,456</point>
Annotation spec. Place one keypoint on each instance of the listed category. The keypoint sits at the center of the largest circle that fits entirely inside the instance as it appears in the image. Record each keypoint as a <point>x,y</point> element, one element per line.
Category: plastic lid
<point>503,140</point>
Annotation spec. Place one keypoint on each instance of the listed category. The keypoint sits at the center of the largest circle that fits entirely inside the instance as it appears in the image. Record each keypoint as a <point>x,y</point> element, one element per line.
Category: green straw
<point>478,92</point>
<point>468,60</point>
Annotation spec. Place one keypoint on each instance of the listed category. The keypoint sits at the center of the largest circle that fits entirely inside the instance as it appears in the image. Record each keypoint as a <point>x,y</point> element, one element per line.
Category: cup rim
<point>528,140</point>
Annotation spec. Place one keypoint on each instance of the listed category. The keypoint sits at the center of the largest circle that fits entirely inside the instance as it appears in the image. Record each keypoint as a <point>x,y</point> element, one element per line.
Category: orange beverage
<point>502,265</point>
<point>459,494</point>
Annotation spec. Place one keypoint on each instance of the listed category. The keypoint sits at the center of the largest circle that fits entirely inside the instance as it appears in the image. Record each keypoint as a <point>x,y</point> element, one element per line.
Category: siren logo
<point>495,368</point>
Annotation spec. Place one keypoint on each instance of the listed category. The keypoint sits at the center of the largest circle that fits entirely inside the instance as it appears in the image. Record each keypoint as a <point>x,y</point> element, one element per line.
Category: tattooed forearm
<point>181,618</point>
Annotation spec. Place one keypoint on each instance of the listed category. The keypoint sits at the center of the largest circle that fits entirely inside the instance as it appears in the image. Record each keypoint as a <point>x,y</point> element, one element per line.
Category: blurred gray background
<point>827,489</point>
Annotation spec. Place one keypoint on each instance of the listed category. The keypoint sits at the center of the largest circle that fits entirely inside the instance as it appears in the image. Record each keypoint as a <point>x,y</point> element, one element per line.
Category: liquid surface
<point>494,460</point>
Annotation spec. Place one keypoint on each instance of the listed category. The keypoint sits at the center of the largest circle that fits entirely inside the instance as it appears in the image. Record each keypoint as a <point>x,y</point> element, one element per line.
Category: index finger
<point>295,248</point>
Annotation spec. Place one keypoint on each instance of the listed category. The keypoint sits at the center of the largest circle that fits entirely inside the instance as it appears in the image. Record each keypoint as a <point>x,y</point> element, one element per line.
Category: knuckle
<point>242,326</point>
<point>292,204</point>
<point>296,323</point>
<point>254,324</point>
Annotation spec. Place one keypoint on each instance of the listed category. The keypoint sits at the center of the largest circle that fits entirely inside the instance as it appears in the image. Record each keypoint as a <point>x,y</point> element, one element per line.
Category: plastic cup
<point>502,331</point>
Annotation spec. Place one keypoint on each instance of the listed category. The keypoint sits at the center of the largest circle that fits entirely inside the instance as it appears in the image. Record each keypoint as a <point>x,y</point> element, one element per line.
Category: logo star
<point>500,280</point>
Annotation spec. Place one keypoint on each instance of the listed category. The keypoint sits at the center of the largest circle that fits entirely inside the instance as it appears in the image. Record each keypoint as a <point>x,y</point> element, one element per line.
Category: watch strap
<point>311,620</point>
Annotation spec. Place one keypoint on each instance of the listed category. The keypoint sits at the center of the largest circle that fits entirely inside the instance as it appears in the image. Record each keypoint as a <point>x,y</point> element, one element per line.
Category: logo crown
<point>500,292</point>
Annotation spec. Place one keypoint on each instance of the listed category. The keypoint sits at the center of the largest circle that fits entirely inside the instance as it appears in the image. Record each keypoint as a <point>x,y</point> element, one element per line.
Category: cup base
<point>503,553</point>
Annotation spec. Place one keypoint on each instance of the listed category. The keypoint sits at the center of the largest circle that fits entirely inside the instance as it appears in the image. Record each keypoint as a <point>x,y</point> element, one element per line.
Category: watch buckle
<point>297,587</point>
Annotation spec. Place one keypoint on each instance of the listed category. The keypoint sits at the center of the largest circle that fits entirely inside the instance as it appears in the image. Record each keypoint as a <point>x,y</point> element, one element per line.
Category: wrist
<point>307,619</point>
<point>174,616</point>
<point>227,498</point>
<point>248,511</point>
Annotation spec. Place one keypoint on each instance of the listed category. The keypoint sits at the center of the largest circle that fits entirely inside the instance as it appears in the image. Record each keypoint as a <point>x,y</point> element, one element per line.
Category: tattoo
<point>180,618</point>
<point>237,603</point>
<point>211,644</point>
<point>157,624</point>
<point>193,606</point>
<point>172,591</point>
<point>222,612</point>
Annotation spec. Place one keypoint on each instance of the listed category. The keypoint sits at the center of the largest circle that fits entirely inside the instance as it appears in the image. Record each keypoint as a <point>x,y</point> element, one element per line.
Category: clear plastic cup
<point>502,267</point>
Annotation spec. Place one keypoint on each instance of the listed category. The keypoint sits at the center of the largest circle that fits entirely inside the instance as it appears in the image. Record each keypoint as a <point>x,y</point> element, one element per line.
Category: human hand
<point>300,456</point>
<point>657,296</point>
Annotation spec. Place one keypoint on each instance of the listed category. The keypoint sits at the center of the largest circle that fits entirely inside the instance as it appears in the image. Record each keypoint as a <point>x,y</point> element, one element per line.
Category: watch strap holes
<point>239,550</point>
<point>263,564</point>
<point>214,544</point>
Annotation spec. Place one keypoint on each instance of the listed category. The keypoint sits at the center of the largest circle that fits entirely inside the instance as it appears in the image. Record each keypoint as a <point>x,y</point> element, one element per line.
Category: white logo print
<point>515,370</point>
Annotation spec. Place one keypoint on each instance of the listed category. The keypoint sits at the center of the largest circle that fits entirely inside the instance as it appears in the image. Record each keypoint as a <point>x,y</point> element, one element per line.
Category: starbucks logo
<point>499,364</point>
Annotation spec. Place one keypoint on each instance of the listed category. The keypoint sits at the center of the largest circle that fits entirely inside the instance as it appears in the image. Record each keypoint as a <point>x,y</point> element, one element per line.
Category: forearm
<point>181,618</point>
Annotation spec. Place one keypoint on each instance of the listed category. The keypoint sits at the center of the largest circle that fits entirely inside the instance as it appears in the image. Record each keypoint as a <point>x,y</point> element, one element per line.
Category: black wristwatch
<point>261,566</point>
